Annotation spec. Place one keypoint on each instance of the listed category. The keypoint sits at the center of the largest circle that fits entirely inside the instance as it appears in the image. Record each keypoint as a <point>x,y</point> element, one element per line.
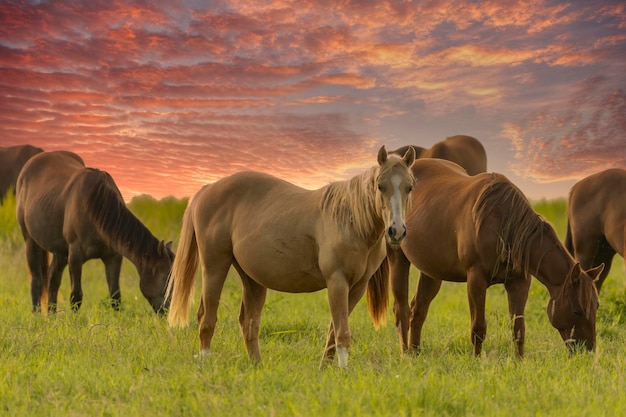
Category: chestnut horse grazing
<point>482,230</point>
<point>12,159</point>
<point>289,239</point>
<point>596,220</point>
<point>78,213</point>
<point>461,149</point>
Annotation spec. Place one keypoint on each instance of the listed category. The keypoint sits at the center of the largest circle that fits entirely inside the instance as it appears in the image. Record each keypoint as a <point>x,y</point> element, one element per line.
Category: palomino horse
<point>461,149</point>
<point>12,159</point>
<point>78,213</point>
<point>482,230</point>
<point>596,220</point>
<point>289,239</point>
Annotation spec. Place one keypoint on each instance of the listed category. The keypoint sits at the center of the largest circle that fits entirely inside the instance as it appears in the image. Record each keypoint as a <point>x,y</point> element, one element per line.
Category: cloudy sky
<point>170,95</point>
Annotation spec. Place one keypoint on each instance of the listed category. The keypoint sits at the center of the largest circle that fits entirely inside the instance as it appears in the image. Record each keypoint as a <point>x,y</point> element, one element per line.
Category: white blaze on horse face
<point>397,229</point>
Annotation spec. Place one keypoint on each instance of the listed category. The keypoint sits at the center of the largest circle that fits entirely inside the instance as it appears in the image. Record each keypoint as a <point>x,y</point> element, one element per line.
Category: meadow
<point>99,362</point>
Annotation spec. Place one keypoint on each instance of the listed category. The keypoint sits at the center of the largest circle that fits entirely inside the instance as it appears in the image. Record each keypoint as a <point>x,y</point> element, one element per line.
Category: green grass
<point>98,362</point>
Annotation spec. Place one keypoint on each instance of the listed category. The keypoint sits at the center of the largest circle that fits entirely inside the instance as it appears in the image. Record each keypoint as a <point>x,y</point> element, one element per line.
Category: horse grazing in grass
<point>482,230</point>
<point>77,214</point>
<point>289,239</point>
<point>596,220</point>
<point>12,159</point>
<point>464,150</point>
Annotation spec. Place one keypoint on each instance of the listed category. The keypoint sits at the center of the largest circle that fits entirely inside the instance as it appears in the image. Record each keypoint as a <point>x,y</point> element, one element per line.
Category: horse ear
<point>168,245</point>
<point>594,273</point>
<point>574,274</point>
<point>382,155</point>
<point>409,156</point>
<point>162,249</point>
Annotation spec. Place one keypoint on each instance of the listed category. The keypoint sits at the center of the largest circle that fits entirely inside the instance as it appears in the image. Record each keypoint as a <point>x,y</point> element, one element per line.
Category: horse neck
<point>550,263</point>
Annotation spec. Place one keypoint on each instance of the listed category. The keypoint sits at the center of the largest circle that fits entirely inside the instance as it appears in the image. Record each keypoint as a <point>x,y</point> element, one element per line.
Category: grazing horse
<point>461,149</point>
<point>596,220</point>
<point>482,230</point>
<point>289,239</point>
<point>77,214</point>
<point>12,159</point>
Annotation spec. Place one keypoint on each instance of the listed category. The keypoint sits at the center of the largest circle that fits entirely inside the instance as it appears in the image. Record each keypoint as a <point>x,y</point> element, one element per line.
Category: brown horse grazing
<point>289,239</point>
<point>12,159</point>
<point>482,230</point>
<point>596,220</point>
<point>461,149</point>
<point>78,213</point>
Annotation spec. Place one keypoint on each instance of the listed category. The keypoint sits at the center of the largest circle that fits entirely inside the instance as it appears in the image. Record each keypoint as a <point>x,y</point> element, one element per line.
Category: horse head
<point>154,277</point>
<point>394,183</point>
<point>573,313</point>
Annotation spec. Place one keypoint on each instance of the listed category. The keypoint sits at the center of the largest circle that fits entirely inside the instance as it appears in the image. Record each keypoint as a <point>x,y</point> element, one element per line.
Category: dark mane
<point>117,224</point>
<point>519,224</point>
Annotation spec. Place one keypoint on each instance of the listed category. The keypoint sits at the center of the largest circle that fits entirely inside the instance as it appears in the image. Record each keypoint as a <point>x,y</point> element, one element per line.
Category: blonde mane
<point>352,203</point>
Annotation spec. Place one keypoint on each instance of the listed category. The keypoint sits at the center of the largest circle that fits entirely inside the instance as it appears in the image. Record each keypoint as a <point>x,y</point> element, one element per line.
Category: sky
<point>170,95</point>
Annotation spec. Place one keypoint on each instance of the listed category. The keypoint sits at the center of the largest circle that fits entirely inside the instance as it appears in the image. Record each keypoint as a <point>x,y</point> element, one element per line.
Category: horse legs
<point>36,258</point>
<point>214,274</point>
<point>252,302</point>
<point>112,268</point>
<point>342,301</point>
<point>427,290</point>
<point>477,291</point>
<point>399,267</point>
<point>59,262</point>
<point>517,292</point>
<point>75,262</point>
<point>605,255</point>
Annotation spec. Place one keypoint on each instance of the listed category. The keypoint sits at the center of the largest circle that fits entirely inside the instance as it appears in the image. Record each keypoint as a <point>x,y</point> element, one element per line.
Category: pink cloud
<point>310,91</point>
<point>575,139</point>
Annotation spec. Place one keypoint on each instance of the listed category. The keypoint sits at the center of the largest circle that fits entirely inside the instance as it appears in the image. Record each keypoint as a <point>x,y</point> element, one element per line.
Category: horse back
<point>464,150</point>
<point>50,194</point>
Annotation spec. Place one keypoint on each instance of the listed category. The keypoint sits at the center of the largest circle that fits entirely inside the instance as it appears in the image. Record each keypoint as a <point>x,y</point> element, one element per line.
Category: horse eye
<point>578,313</point>
<point>381,188</point>
<point>410,188</point>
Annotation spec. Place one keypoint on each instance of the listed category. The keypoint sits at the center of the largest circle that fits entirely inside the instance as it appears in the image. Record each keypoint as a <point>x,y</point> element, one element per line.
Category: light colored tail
<point>181,282</point>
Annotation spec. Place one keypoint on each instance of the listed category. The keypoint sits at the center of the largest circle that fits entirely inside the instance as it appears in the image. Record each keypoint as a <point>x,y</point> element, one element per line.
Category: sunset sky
<point>169,95</point>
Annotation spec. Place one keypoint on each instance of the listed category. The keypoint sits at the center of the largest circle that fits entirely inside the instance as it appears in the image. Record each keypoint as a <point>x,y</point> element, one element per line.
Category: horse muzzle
<point>396,235</point>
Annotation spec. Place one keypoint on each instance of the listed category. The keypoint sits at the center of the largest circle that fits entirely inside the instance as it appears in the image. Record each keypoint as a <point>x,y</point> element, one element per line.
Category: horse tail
<point>44,274</point>
<point>378,294</point>
<point>181,281</point>
<point>569,242</point>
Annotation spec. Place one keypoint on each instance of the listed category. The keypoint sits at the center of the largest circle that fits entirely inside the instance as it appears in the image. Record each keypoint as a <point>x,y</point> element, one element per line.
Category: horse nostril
<point>391,231</point>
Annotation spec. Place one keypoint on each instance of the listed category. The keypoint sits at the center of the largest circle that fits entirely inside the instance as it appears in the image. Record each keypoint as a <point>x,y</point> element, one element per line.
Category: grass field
<point>99,362</point>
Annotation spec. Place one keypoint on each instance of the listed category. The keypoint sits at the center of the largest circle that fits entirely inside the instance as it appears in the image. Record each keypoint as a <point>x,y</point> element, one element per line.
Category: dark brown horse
<point>78,213</point>
<point>482,230</point>
<point>596,220</point>
<point>283,237</point>
<point>12,159</point>
<point>461,149</point>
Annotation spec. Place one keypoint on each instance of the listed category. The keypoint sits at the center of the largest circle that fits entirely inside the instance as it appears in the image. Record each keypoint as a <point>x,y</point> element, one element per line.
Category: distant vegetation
<point>127,363</point>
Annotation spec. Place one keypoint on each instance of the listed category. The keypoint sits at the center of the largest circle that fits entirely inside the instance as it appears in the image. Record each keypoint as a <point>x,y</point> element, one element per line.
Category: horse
<point>464,150</point>
<point>482,230</point>
<point>285,238</point>
<point>596,220</point>
<point>78,213</point>
<point>12,159</point>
